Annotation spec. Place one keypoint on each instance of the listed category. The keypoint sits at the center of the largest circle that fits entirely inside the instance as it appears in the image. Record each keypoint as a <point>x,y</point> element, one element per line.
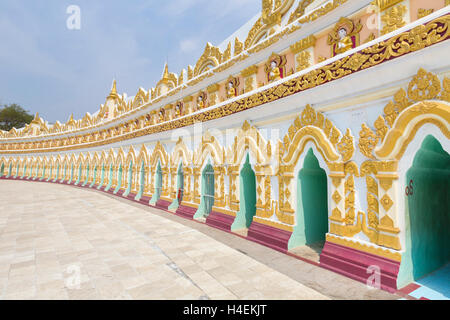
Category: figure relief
<point>232,87</point>
<point>275,67</point>
<point>179,109</point>
<point>344,36</point>
<point>161,115</point>
<point>201,101</point>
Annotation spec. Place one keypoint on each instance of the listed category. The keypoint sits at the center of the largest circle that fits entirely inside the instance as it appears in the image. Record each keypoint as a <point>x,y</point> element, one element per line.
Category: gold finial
<point>36,119</point>
<point>166,72</point>
<point>113,93</point>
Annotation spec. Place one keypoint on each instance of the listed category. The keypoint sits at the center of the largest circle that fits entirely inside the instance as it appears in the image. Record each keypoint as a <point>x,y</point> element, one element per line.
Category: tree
<point>14,116</point>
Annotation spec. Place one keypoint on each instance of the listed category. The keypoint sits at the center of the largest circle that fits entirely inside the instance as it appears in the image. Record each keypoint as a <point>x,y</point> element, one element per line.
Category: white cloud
<point>188,45</point>
<point>217,8</point>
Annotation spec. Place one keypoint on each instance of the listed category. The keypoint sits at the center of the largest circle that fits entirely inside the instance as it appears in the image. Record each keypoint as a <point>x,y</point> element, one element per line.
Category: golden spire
<point>71,121</point>
<point>166,72</point>
<point>36,119</point>
<point>113,94</point>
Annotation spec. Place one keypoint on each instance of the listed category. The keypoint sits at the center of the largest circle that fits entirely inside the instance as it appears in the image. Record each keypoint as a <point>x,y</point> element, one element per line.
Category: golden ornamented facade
<point>313,96</point>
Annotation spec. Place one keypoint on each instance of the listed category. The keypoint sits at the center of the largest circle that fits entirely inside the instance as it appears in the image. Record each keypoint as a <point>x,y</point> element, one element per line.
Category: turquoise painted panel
<point>158,185</point>
<point>87,175</point>
<point>94,179</point>
<point>141,182</point>
<point>247,197</point>
<point>207,194</point>
<point>180,185</point>
<point>129,180</point>
<point>427,213</point>
<point>312,204</point>
<point>110,180</point>
<point>119,179</point>
<point>102,177</point>
<point>79,175</point>
<point>24,171</point>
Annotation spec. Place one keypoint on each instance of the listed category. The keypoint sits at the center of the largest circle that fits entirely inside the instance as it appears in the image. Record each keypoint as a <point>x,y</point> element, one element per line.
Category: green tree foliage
<point>13,116</point>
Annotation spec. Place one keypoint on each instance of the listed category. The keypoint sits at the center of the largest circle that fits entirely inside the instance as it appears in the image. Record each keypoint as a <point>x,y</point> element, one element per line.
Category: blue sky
<point>47,68</point>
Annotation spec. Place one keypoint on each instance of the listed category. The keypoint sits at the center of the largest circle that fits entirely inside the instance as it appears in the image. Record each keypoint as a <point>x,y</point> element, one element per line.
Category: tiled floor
<point>67,243</point>
<point>435,286</point>
<point>62,242</point>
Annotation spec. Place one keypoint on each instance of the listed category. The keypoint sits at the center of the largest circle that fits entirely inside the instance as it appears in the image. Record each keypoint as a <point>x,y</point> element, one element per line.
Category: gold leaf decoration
<point>386,202</point>
<point>424,86</point>
<point>367,141</point>
<point>346,146</point>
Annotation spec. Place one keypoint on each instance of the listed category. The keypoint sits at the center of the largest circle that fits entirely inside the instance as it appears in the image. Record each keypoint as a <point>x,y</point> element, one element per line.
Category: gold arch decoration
<point>110,159</point>
<point>409,122</point>
<point>424,86</point>
<point>159,152</point>
<point>79,161</point>
<point>300,10</point>
<point>120,158</point>
<point>142,97</point>
<point>102,157</point>
<point>181,154</point>
<point>72,161</point>
<point>271,15</point>
<point>210,59</point>
<point>95,162</point>
<point>84,172</point>
<point>209,146</point>
<point>249,138</point>
<point>143,156</point>
<point>168,79</point>
<point>57,160</point>
<point>65,160</point>
<point>22,166</point>
<point>131,156</point>
<point>313,126</point>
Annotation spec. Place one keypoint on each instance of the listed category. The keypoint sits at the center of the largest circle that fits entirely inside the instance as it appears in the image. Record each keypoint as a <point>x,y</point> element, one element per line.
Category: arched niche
<point>426,210</point>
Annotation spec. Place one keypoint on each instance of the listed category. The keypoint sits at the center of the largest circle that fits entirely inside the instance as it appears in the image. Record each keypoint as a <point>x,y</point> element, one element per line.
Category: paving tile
<point>59,242</point>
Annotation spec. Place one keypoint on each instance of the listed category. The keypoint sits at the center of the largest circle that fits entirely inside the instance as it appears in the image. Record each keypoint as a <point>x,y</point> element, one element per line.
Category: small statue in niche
<point>232,87</point>
<point>275,68</point>
<point>275,73</point>
<point>231,92</point>
<point>201,101</point>
<point>161,115</point>
<point>178,109</point>
<point>345,43</point>
<point>344,36</point>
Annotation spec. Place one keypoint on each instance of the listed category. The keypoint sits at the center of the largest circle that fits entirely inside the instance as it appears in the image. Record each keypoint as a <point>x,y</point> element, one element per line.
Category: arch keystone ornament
<point>269,21</point>
<point>313,126</point>
<point>416,105</point>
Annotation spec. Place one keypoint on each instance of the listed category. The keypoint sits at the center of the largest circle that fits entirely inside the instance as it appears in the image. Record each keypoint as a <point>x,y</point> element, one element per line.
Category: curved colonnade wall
<point>337,156</point>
